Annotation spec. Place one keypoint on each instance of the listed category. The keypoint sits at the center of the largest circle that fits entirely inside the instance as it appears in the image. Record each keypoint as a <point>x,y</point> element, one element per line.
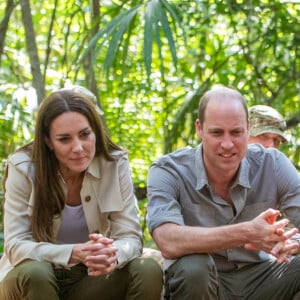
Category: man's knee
<point>146,278</point>
<point>193,276</point>
<point>194,266</point>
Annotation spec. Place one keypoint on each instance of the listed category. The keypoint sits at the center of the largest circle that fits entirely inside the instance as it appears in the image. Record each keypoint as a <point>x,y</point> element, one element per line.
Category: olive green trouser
<point>194,277</point>
<point>140,279</point>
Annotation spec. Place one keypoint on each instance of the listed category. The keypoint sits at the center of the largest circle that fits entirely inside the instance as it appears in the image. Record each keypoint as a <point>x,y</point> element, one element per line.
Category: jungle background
<point>148,62</point>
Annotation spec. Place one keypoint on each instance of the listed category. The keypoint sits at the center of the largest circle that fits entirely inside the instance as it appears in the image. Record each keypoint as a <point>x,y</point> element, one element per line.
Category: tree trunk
<point>88,62</point>
<point>10,5</point>
<point>37,78</point>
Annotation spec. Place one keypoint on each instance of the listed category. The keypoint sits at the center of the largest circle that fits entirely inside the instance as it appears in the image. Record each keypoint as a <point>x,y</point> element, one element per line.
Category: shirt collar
<point>94,169</point>
<point>242,178</point>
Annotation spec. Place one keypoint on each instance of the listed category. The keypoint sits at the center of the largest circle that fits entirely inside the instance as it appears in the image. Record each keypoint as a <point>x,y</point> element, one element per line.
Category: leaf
<point>120,21</point>
<point>162,17</point>
<point>150,20</point>
<point>156,17</point>
<point>116,38</point>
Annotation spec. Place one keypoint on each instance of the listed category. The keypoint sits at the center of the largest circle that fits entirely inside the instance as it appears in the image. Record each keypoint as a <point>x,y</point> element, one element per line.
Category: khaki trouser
<point>140,279</point>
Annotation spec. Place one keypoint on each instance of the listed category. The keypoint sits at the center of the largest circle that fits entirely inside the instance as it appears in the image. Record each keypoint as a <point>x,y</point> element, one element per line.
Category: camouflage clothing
<point>265,119</point>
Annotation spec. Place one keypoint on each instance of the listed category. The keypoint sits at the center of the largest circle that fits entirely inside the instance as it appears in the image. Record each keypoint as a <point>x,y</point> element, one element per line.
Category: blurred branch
<point>10,5</point>
<point>140,192</point>
<point>38,80</point>
<point>293,121</point>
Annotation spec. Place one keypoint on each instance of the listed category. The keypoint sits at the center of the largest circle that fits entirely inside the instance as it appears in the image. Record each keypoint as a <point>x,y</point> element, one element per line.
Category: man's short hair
<point>223,92</point>
<point>265,119</point>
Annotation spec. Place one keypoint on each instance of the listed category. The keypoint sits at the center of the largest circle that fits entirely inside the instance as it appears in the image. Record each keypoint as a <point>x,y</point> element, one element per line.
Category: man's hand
<point>282,249</point>
<point>271,236</point>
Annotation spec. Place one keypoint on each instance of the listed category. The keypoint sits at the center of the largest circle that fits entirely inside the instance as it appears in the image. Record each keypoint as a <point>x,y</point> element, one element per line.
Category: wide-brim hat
<point>85,93</point>
<point>265,119</point>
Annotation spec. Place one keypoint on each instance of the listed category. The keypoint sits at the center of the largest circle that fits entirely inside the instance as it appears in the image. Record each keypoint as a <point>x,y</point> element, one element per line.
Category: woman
<point>71,223</point>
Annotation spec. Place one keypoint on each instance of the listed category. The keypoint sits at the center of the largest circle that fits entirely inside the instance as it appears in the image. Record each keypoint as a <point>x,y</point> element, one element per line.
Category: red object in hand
<point>272,219</point>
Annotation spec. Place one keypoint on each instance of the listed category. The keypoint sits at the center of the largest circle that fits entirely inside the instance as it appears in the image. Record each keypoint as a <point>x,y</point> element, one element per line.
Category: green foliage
<point>155,23</point>
<point>16,128</point>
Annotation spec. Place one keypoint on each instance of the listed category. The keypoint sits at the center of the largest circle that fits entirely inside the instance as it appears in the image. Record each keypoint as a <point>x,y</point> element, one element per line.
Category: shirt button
<point>87,198</point>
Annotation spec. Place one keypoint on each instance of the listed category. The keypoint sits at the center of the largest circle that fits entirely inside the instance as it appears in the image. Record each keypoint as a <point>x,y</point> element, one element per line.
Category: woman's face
<point>73,142</point>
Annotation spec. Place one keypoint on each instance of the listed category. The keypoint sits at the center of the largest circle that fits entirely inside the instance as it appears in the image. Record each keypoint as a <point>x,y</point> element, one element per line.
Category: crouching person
<point>212,211</point>
<point>71,222</point>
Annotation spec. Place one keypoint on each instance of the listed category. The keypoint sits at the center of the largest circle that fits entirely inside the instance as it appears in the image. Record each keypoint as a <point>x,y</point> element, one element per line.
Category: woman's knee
<point>35,272</point>
<point>29,278</point>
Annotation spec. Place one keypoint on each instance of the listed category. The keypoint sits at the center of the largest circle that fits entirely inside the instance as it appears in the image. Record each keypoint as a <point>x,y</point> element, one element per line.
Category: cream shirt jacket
<point>109,205</point>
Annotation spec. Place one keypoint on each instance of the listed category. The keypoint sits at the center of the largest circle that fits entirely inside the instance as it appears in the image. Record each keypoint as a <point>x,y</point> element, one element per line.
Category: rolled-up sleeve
<point>163,192</point>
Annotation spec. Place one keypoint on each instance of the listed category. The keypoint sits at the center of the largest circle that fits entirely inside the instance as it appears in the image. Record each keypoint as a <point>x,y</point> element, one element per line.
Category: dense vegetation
<point>148,62</point>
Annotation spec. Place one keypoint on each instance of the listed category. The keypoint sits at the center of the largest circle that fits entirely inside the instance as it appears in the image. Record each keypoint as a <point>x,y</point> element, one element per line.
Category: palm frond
<point>156,24</point>
<point>163,19</point>
<point>150,23</point>
<point>118,24</point>
<point>120,29</point>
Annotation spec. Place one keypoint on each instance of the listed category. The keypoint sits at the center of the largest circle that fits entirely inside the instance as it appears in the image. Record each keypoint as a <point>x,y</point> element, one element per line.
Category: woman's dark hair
<point>49,196</point>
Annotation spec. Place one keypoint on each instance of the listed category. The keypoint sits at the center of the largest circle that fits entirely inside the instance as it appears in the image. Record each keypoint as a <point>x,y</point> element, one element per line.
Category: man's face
<point>267,140</point>
<point>224,136</point>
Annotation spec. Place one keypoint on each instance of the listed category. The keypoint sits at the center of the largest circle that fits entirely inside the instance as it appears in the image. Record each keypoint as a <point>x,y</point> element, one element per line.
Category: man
<point>267,126</point>
<point>212,211</point>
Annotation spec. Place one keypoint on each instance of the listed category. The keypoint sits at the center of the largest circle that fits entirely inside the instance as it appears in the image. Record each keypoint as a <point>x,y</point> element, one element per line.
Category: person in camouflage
<point>267,126</point>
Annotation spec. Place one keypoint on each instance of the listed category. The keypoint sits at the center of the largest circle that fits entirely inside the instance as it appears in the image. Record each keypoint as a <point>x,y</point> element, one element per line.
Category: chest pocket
<point>253,210</point>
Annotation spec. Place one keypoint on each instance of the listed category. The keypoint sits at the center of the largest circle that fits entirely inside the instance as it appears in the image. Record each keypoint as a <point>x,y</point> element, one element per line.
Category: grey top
<point>179,192</point>
<point>108,202</point>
